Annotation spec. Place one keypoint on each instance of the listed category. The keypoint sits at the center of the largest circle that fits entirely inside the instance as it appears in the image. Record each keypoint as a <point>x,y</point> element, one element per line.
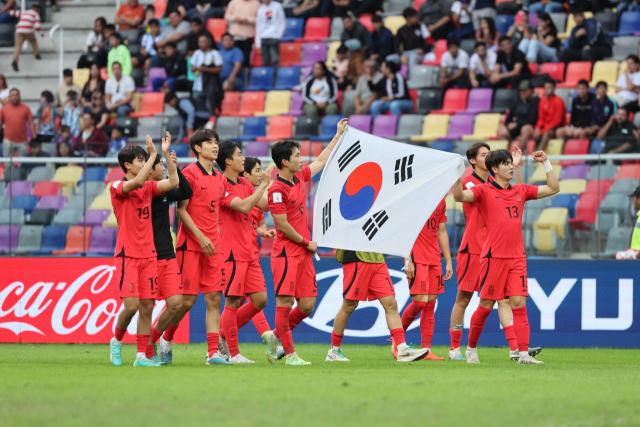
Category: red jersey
<point>256,215</point>
<point>208,191</point>
<point>476,229</point>
<point>133,212</point>
<point>426,249</point>
<point>503,209</point>
<point>290,198</point>
<point>235,227</point>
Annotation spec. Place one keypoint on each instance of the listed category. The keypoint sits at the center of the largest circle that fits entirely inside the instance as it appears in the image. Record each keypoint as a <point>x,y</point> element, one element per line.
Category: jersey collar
<point>495,184</point>
<point>231,182</point>
<point>295,181</point>
<point>478,178</point>
<point>204,171</point>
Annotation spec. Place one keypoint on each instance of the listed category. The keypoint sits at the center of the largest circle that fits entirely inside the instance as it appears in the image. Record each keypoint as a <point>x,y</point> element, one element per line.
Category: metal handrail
<point>60,49</point>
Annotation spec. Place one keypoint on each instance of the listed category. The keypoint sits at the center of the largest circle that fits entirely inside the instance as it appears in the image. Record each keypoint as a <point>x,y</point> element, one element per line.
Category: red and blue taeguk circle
<point>360,191</point>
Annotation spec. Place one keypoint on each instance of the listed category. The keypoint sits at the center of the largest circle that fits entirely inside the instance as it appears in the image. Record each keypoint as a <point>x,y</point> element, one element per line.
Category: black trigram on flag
<point>349,155</point>
<point>403,169</point>
<point>374,224</point>
<point>326,217</point>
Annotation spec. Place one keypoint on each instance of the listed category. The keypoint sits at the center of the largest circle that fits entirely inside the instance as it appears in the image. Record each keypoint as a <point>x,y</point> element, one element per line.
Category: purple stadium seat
<point>361,122</point>
<point>579,171</point>
<point>459,126</point>
<point>313,52</point>
<point>533,19</point>
<point>256,149</point>
<point>4,237</point>
<point>102,240</point>
<point>95,217</point>
<point>18,188</point>
<point>153,74</point>
<point>479,101</point>
<point>385,125</point>
<point>306,72</point>
<point>52,202</point>
<point>404,71</point>
<point>296,105</point>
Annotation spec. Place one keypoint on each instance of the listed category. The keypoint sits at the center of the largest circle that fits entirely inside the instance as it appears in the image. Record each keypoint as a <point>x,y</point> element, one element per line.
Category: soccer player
<point>366,278</point>
<point>426,278</point>
<point>136,266</point>
<point>294,276</point>
<point>503,262</point>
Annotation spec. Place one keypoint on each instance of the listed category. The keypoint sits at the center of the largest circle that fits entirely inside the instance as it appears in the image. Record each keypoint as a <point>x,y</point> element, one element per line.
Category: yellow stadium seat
<point>113,222</point>
<point>102,202</point>
<point>571,24</point>
<point>331,52</point>
<point>81,76</point>
<point>434,127</point>
<point>485,127</point>
<point>572,186</point>
<point>554,148</point>
<point>278,102</point>
<point>605,71</point>
<point>499,144</point>
<point>539,175</point>
<point>68,176</point>
<point>174,238</point>
<point>137,100</point>
<point>452,204</point>
<point>549,228</point>
<point>394,23</point>
<point>106,191</point>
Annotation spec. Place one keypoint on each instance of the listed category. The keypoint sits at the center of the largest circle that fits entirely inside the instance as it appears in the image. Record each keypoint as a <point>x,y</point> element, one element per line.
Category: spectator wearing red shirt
<point>15,117</point>
<point>91,139</point>
<point>551,115</point>
<point>130,19</point>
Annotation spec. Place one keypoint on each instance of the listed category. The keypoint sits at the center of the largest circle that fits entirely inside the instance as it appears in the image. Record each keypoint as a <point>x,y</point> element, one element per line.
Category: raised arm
<point>173,180</point>
<point>282,224</point>
<point>517,158</point>
<point>461,195</point>
<point>139,180</point>
<point>321,161</point>
<point>553,186</point>
<point>245,205</point>
<point>443,239</point>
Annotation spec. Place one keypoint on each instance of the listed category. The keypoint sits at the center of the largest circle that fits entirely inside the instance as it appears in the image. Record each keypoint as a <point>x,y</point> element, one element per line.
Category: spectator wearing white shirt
<point>119,91</point>
<point>206,62</point>
<point>93,44</point>
<point>270,26</point>
<point>28,24</point>
<point>628,84</point>
<point>454,66</point>
<point>146,45</point>
<point>320,92</point>
<point>481,65</point>
<point>462,15</point>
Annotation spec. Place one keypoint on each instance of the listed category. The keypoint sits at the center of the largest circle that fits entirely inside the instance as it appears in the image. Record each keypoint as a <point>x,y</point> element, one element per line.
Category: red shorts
<point>138,277</point>
<point>200,272</point>
<point>427,281</point>
<point>363,281</point>
<point>169,283</point>
<point>294,276</point>
<point>468,272</point>
<point>503,277</point>
<point>245,277</point>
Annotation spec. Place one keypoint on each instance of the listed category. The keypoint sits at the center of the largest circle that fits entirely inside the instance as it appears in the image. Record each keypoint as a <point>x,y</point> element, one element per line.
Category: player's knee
<point>174,308</point>
<point>187,304</point>
<point>390,305</point>
<point>146,307</point>
<point>349,306</point>
<point>131,306</point>
<point>259,301</point>
<point>213,300</point>
<point>306,308</point>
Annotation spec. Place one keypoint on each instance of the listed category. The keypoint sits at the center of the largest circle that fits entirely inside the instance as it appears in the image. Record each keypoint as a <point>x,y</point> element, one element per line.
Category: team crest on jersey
<point>277,197</point>
<point>471,284</point>
<point>518,196</point>
<point>131,287</point>
<point>423,286</point>
<point>292,285</point>
<point>490,290</point>
<point>187,283</point>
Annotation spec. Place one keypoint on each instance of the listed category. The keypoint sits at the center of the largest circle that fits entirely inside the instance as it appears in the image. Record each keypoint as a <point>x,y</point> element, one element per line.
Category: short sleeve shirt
<point>461,61</point>
<point>130,13</point>
<point>235,227</point>
<point>502,208</point>
<point>476,64</point>
<point>476,228</point>
<point>426,249</point>
<point>465,16</point>
<point>15,118</point>
<point>229,59</point>
<point>256,215</point>
<point>184,28</point>
<point>134,216</point>
<point>119,89</point>
<point>206,59</point>
<point>290,198</point>
<point>622,82</point>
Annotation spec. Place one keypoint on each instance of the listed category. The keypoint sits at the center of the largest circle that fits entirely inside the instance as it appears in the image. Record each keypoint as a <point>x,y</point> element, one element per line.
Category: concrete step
<point>82,12</point>
<point>32,87</point>
<point>74,40</point>
<point>31,67</point>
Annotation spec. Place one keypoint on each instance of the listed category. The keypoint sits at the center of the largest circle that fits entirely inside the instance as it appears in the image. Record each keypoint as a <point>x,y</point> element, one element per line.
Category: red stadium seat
<point>230,104</point>
<point>630,171</point>
<point>316,29</point>
<point>217,27</point>
<point>530,148</point>
<point>256,58</point>
<point>152,103</point>
<point>575,146</point>
<point>586,211</point>
<point>439,50</point>
<point>604,184</point>
<point>77,240</point>
<point>365,20</point>
<point>251,103</point>
<point>290,53</point>
<point>308,148</point>
<point>454,100</point>
<point>577,71</point>
<point>46,188</point>
<point>115,174</point>
<point>280,127</point>
<point>554,69</point>
<point>533,67</point>
<point>104,74</point>
<point>418,3</point>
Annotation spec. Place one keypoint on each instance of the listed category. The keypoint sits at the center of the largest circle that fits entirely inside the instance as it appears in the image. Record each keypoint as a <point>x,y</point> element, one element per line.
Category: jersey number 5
<point>213,207</point>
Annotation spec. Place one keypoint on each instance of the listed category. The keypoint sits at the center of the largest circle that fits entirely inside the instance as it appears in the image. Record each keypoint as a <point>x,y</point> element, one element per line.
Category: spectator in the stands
<point>232,59</point>
<point>551,115</point>
<point>481,10</point>
<point>436,14</point>
<point>364,96</point>
<point>411,39</point>
<point>626,6</point>
<point>146,45</point>
<point>175,66</point>
<point>587,42</point>
<point>186,111</point>
<point>91,139</point>
<point>581,112</point>
<point>119,53</point>
<point>211,8</point>
<point>393,90</point>
<point>100,112</point>
<point>543,45</point>
<point>93,44</point>
<point>602,108</point>
<point>301,8</point>
<point>270,26</point>
<point>628,84</point>
<point>63,149</point>
<point>5,18</point>
<point>340,64</point>
<point>461,14</point>
<point>130,20</point>
<point>93,85</point>
<point>72,113</point>
<point>353,29</point>
<point>119,91</point>
<point>453,67</point>
<point>521,28</point>
<point>380,40</point>
<point>320,92</point>
<point>206,62</point>
<point>176,32</point>
<point>355,66</point>
<point>64,136</point>
<point>488,34</point>
<point>28,24</point>
<point>117,143</point>
<point>511,65</point>
<point>186,8</point>
<point>522,117</point>
<point>149,14</point>
<point>103,54</point>
<point>197,29</point>
<point>16,117</point>
<point>242,15</point>
<point>47,114</point>
<point>35,146</point>
<point>357,7</point>
<point>481,65</point>
<point>66,86</point>
<point>545,6</point>
<point>509,7</point>
<point>620,135</point>
<point>4,94</point>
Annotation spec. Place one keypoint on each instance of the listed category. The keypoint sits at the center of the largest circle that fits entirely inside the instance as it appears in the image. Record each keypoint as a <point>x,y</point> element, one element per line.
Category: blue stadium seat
<point>503,22</point>
<point>287,78</point>
<point>442,146</point>
<point>94,174</point>
<point>595,144</point>
<point>261,79</point>
<point>53,239</point>
<point>294,30</point>
<point>328,128</point>
<point>568,201</point>
<point>253,128</point>
<point>28,203</point>
<point>182,150</point>
<point>629,24</point>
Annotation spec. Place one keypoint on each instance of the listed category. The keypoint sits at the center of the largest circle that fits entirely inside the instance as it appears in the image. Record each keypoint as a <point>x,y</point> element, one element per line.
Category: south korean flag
<point>375,195</point>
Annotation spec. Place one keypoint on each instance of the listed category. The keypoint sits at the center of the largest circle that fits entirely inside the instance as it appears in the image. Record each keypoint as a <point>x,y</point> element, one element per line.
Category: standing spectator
<point>100,112</point>
<point>581,112</point>
<point>411,39</point>
<point>520,28</point>
<point>175,66</point>
<point>551,115</point>
<point>103,54</point>
<point>15,116</point>
<point>118,142</point>
<point>4,12</point>
<point>197,29</point>
<point>301,8</point>
<point>119,91</point>
<point>64,150</point>
<point>232,59</point>
<point>65,87</point>
<point>454,66</point>
<point>355,30</point>
<point>93,85</point>
<point>483,9</point>
<point>602,108</point>
<point>72,113</point>
<point>488,33</point>
<point>186,111</point>
<point>587,42</point>
<point>380,40</point>
<point>461,14</point>
<point>119,53</point>
<point>146,45</point>
<point>176,32</point>
<point>243,14</point>
<point>93,44</point>
<point>393,88</point>
<point>47,114</point>
<point>436,14</point>
<point>545,6</point>
<point>35,152</point>
<point>363,96</point>
<point>481,65</point>
<point>543,45</point>
<point>320,92</point>
<point>620,135</point>
<point>628,84</point>
<point>25,30</point>
<point>130,20</point>
<point>206,62</point>
<point>512,66</point>
<point>522,117</point>
<point>270,27</point>
<point>92,140</point>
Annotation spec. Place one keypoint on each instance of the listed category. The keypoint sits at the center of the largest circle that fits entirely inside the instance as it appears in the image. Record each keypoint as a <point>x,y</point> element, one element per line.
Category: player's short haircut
<point>67,72</point>
<point>409,12</point>
<point>225,151</point>
<point>154,22</point>
<point>583,82</point>
<point>200,136</point>
<point>472,152</point>
<point>601,83</point>
<point>376,18</point>
<point>250,163</point>
<point>131,152</point>
<point>497,158</point>
<point>283,150</point>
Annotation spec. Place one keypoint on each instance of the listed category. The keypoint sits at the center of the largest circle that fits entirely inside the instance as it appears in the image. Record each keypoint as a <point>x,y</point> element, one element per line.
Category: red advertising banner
<point>64,300</point>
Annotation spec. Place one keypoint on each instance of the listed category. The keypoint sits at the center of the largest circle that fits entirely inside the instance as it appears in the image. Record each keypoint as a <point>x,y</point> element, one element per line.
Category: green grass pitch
<point>75,385</point>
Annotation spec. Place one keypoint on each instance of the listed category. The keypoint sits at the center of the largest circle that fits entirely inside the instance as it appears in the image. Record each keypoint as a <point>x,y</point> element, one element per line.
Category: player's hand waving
<point>266,175</point>
<point>166,143</point>
<point>151,149</point>
<point>342,124</point>
<point>410,270</point>
<point>174,157</point>
<point>540,156</point>
<point>448,272</point>
<point>517,157</point>
<point>206,245</point>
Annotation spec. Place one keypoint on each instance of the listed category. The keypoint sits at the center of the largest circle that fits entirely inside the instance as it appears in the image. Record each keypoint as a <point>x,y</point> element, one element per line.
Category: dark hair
<point>154,21</point>
<point>583,82</point>
<point>196,19</point>
<point>634,58</point>
<point>497,158</point>
<point>348,15</point>
<point>478,44</point>
<point>150,7</point>
<point>250,163</point>
<point>129,153</point>
<point>392,66</point>
<point>550,81</point>
<point>115,63</point>
<point>201,135</point>
<point>283,150</point>
<point>48,95</point>
<point>409,12</point>
<point>116,35</point>
<point>576,8</point>
<point>546,18</point>
<point>157,160</point>
<point>67,72</point>
<point>65,128</point>
<point>36,6</point>
<point>102,21</point>
<point>35,143</point>
<point>172,44</point>
<point>170,96</point>
<point>323,66</point>
<point>342,49</point>
<point>110,27</point>
<point>472,152</point>
<point>226,149</point>
<point>376,18</point>
<point>452,42</point>
<point>93,116</point>
<point>119,129</point>
<point>601,83</point>
<point>58,148</point>
<point>503,38</point>
<point>624,108</point>
<point>492,26</point>
<point>208,37</point>
<point>225,35</point>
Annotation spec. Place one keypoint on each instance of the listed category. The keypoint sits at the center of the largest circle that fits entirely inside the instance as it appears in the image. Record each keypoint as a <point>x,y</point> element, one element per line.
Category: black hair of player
<point>472,152</point>
<point>131,152</point>
<point>283,150</point>
<point>496,158</point>
<point>250,163</point>
<point>409,12</point>
<point>226,150</point>
<point>201,135</point>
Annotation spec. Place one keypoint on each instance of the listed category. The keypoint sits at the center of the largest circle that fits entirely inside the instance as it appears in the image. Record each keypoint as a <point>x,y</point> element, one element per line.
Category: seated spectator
<point>340,63</point>
<point>355,65</point>
<point>186,8</point>
<point>130,20</point>
<point>94,43</point>
<point>93,85</point>
<point>118,142</point>
<point>355,30</point>
<point>619,134</point>
<point>481,10</point>
<point>65,87</point>
<point>64,135</point>
<point>72,113</point>
<point>5,17</point>
<point>394,92</point>
<point>100,112</point>
<point>176,32</point>
<point>602,108</point>
<point>197,29</point>
<point>481,65</point>
<point>520,28</point>
<point>91,139</point>
<point>436,15</point>
<point>270,27</point>
<point>119,53</point>
<point>242,16</point>
<point>175,66</point>
<point>522,117</point>
<point>581,111</point>
<point>301,8</point>
<point>47,114</point>
<point>411,39</point>
<point>149,14</point>
<point>363,96</point>
<point>64,150</point>
<point>543,45</point>
<point>35,147</point>
<point>206,62</point>
<point>587,42</point>
<point>454,66</point>
<point>357,7</point>
<point>119,91</point>
<point>628,84</point>
<point>146,45</point>
<point>551,115</point>
<point>545,6</point>
<point>511,66</point>
<point>320,92</point>
<point>488,33</point>
<point>232,58</point>
<point>103,54</point>
<point>380,40</point>
<point>461,13</point>
<point>186,111</point>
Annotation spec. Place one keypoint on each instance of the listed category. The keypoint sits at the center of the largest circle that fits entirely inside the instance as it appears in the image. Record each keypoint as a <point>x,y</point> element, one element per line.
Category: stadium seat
<point>102,240</point>
<point>332,51</point>
<point>500,144</point>
<point>421,76</point>
<point>277,103</point>
<point>78,239</point>
<point>102,202</point>
<point>230,104</point>
<point>442,146</point>
<point>504,22</point>
<point>614,211</point>
<point>429,100</point>
<point>631,171</point>
<point>539,175</point>
<point>624,186</point>
<point>217,27</point>
<point>9,237</point>
<point>94,173</point>
<point>111,221</point>
<point>586,211</point>
<point>408,126</point>
<point>629,25</point>
<point>81,76</point>
<point>308,148</point>
<point>366,20</point>
<point>602,172</point>
<point>385,126</point>
<point>435,126</point>
<point>152,103</point>
<point>579,171</point>
<point>67,216</point>
<point>600,187</point>
<point>306,127</point>
<point>554,148</point>
<point>41,216</point>
<point>315,30</point>
<point>287,78</point>
<point>361,122</point>
<point>454,100</point>
<point>290,53</point>
<point>46,188</point>
<point>12,216</point>
<point>555,70</point>
<point>129,126</point>
<point>328,128</point>
<point>577,71</point>
<point>502,100</point>
<point>251,103</point>
<point>568,201</point>
<point>154,73</point>
<point>550,230</point>
<point>439,49</point>
<point>95,217</point>
<point>479,101</point>
<point>459,126</point>
<point>622,45</point>
<point>252,129</point>
<point>18,188</point>
<point>605,71</point>
<point>294,29</point>
<point>575,147</point>
<point>29,239</point>
<point>571,23</point>
<point>15,174</point>
<point>486,127</point>
<point>297,101</point>
<point>25,202</point>
<point>261,78</point>
<point>256,149</point>
<point>311,53</point>
<point>618,240</point>
<point>41,173</point>
<point>280,127</point>
<point>394,23</point>
<point>115,174</point>
<point>452,204</point>
<point>79,202</point>
<point>68,177</point>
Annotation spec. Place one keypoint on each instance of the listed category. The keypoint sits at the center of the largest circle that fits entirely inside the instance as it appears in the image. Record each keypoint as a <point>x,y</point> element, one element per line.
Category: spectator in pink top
<point>243,15</point>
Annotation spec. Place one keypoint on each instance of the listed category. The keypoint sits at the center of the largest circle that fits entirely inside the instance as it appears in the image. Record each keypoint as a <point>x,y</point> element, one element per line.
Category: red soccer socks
<point>477,325</point>
<point>283,329</point>
<point>120,334</point>
<point>212,343</point>
<point>168,334</point>
<point>336,339</point>
<point>427,323</point>
<point>521,326</point>
<point>411,312</point>
<point>229,322</point>
<point>510,333</point>
<point>456,336</point>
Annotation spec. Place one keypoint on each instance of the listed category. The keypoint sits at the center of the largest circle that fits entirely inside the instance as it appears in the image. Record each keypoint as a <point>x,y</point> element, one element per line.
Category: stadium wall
<point>571,304</point>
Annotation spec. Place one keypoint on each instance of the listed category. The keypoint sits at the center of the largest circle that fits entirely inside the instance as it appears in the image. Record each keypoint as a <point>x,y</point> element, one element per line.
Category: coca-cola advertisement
<point>64,300</point>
